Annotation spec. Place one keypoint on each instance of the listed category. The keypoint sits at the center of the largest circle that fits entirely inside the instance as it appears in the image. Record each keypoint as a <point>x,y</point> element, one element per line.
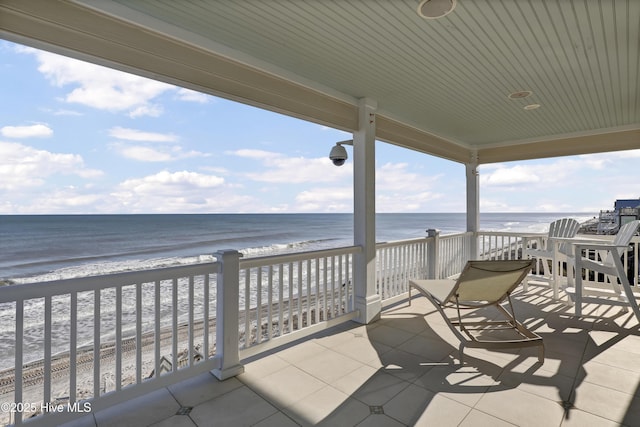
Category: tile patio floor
<point>403,370</point>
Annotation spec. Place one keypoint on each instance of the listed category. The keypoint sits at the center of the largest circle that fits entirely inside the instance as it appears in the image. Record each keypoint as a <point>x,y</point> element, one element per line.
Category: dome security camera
<point>338,155</point>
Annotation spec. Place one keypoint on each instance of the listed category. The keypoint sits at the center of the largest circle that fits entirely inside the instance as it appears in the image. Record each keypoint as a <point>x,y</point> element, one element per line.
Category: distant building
<point>624,210</point>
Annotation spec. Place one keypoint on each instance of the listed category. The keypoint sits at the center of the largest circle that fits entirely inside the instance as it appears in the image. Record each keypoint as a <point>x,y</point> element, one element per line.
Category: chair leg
<point>631,299</point>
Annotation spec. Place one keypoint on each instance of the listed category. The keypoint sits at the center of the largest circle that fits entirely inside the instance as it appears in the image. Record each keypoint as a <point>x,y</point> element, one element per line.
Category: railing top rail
<point>394,243</point>
<point>81,284</point>
<point>298,256</point>
<point>454,235</point>
<point>511,234</point>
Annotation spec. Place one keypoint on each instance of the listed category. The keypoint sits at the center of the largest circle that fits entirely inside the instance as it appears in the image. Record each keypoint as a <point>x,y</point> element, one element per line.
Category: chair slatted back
<point>564,228</point>
<point>624,236</point>
<point>490,280</point>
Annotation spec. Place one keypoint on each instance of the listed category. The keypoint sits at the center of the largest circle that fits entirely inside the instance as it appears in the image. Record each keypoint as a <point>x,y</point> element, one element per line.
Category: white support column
<point>473,203</point>
<point>227,314</point>
<point>433,256</point>
<point>368,302</point>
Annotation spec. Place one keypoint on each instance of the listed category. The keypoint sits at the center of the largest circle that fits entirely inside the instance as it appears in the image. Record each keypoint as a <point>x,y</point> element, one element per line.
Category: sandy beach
<point>33,373</point>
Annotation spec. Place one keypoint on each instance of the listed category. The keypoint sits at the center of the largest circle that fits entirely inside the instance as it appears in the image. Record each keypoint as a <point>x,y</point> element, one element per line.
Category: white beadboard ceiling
<point>441,86</point>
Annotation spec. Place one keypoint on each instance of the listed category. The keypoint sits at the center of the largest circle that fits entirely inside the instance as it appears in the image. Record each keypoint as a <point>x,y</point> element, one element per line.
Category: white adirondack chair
<point>552,250</point>
<point>607,261</point>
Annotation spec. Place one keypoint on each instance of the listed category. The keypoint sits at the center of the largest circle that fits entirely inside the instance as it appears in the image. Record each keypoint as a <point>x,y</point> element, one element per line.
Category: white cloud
<point>67,200</point>
<point>152,110</point>
<point>143,154</point>
<point>396,177</point>
<point>325,199</point>
<point>172,182</point>
<point>65,113</point>
<point>100,87</point>
<point>293,170</point>
<point>31,131</point>
<point>22,166</point>
<point>255,154</point>
<point>189,95</point>
<point>155,154</point>
<point>147,153</point>
<point>182,192</point>
<point>508,176</point>
<point>398,190</point>
<point>139,135</point>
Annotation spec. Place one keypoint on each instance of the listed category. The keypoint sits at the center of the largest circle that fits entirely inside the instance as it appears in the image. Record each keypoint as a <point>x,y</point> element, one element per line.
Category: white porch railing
<point>106,339</point>
<point>397,263</point>
<point>434,256</point>
<point>503,245</point>
<point>88,339</point>
<point>287,297</point>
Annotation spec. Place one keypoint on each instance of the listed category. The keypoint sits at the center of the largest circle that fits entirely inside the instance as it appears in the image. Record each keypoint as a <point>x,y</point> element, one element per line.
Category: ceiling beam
<point>628,139</point>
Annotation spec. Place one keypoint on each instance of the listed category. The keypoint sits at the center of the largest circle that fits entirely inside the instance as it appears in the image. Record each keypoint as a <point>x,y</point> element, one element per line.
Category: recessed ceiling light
<point>520,94</point>
<point>434,9</point>
<point>531,106</point>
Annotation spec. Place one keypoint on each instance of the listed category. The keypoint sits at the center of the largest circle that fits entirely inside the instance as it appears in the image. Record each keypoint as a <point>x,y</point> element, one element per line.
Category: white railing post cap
<point>432,232</point>
<point>223,252</point>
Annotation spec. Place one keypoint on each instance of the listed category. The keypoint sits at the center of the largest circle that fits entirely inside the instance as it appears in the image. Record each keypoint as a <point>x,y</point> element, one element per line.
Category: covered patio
<point>488,82</point>
<point>403,370</point>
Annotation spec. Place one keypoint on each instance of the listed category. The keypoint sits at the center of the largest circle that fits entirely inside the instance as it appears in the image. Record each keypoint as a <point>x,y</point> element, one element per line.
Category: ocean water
<point>37,248</point>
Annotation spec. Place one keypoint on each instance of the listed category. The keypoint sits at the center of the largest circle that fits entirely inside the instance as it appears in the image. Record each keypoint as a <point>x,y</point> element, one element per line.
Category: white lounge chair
<point>482,284</point>
<point>551,253</point>
<point>608,261</point>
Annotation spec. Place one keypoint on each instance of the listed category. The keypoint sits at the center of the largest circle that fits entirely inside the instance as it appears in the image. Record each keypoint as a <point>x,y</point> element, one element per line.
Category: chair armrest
<point>597,246</point>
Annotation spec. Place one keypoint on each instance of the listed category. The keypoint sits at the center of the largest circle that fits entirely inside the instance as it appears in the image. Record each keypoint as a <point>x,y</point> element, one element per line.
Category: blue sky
<point>84,139</point>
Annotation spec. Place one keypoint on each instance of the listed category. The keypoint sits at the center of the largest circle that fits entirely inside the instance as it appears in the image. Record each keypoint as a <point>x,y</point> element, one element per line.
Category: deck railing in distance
<point>434,256</point>
<point>398,262</point>
<point>285,297</point>
<point>91,338</point>
<point>510,245</point>
<point>454,250</point>
<point>493,245</point>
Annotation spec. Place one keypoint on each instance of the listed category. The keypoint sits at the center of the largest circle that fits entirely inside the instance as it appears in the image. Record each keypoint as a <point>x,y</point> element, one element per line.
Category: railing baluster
<point>157,334</point>
<point>348,281</point>
<point>341,286</point>
<point>174,325</point>
<point>47,349</point>
<point>247,308</point>
<point>270,304</point>
<point>317,293</point>
<point>73,344</point>
<point>205,314</point>
<point>191,307</point>
<point>259,306</point>
<point>96,343</point>
<point>325,299</point>
<point>281,299</point>
<point>290,329</point>
<point>138,333</point>
<point>299,294</point>
<point>118,338</point>
<point>309,295</point>
<point>19,358</point>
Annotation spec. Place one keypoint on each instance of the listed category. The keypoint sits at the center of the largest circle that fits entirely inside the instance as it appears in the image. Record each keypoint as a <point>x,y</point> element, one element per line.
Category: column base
<point>369,309</point>
<point>226,373</point>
